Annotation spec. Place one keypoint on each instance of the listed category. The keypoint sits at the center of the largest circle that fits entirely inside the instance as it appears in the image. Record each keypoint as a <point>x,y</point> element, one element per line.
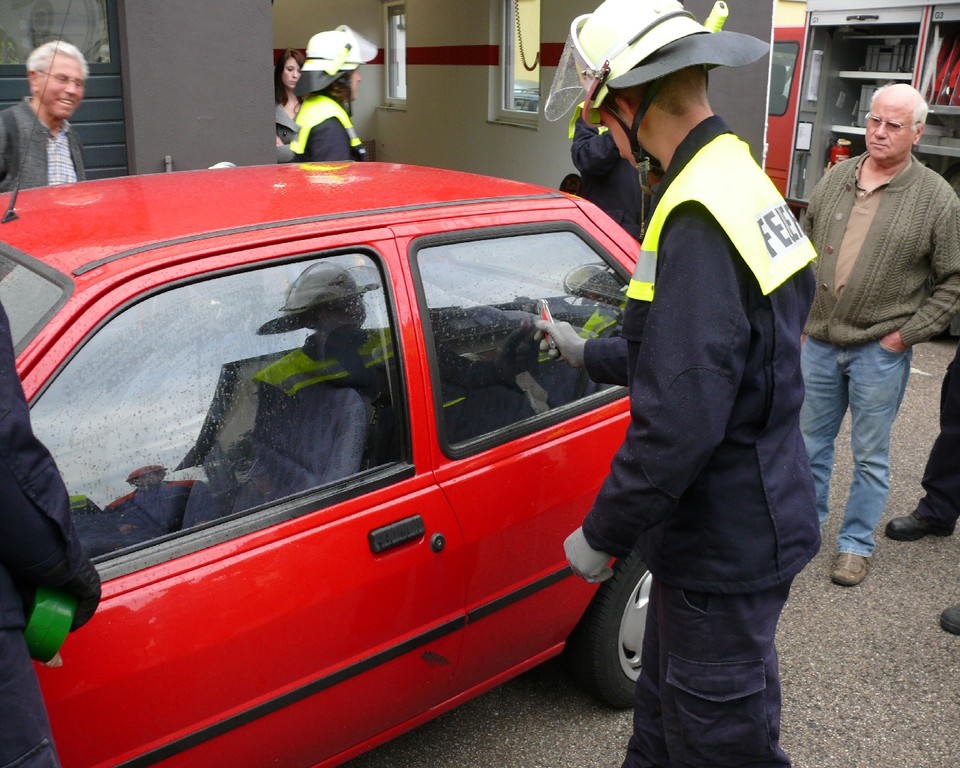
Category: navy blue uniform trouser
<point>25,740</point>
<point>941,478</point>
<point>709,687</point>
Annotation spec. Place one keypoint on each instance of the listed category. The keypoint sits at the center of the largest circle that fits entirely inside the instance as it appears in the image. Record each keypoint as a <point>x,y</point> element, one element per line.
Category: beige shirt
<point>865,205</point>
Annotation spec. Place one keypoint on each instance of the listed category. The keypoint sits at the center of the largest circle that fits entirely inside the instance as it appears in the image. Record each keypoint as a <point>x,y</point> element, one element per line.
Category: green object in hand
<point>49,622</point>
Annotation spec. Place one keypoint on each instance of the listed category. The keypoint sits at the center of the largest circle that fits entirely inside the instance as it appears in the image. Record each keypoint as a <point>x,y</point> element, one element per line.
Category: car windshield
<point>27,297</point>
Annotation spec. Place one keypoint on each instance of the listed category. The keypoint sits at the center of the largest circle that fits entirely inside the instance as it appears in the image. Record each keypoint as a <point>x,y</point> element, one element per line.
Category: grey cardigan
<point>906,276</point>
<point>33,157</point>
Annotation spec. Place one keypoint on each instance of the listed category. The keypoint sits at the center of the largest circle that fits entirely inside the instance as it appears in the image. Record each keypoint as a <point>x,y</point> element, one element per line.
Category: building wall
<point>446,121</point>
<point>197,83</point>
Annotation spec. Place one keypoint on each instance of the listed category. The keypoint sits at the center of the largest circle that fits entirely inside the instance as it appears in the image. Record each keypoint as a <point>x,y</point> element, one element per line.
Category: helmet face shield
<point>361,50</point>
<point>338,50</point>
<point>576,79</point>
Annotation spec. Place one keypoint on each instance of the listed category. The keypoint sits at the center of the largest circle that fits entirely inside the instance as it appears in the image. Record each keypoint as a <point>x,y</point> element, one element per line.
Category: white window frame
<point>502,77</point>
<point>395,55</point>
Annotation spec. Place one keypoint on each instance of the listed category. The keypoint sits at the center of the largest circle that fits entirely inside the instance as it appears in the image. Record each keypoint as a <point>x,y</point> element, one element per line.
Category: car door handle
<point>395,534</point>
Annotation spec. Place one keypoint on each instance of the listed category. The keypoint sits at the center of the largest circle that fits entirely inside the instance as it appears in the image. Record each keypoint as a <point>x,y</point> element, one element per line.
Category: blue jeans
<point>870,380</point>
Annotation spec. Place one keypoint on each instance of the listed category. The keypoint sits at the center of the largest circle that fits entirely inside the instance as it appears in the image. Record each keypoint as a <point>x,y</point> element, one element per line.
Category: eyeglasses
<point>892,125</point>
<point>63,79</point>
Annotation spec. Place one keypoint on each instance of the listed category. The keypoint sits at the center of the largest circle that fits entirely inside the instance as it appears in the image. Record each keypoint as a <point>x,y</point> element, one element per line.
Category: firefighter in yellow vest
<point>312,415</point>
<point>711,488</point>
<point>329,79</point>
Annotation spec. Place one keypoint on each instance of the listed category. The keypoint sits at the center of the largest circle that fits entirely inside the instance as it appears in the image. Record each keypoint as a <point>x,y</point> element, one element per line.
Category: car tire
<point>603,652</point>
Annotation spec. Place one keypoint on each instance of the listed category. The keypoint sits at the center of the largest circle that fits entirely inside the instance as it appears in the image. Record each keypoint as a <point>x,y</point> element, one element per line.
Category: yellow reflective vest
<point>724,178</point>
<point>297,369</point>
<point>317,109</point>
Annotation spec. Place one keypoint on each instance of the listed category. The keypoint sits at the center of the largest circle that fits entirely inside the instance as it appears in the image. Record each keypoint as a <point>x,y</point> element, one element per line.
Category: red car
<point>323,469</point>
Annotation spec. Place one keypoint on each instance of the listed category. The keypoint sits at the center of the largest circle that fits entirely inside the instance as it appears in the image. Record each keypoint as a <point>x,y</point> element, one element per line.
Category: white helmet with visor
<point>629,42</point>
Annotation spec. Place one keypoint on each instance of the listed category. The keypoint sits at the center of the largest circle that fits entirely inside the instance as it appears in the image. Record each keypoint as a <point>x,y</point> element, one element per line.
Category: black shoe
<point>911,528</point>
<point>950,619</point>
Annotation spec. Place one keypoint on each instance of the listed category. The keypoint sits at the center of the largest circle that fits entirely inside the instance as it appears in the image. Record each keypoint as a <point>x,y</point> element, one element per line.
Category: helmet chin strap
<point>644,161</point>
<point>652,90</point>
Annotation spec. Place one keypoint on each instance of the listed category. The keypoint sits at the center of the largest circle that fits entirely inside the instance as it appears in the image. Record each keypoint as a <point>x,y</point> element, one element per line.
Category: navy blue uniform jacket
<point>609,181</point>
<point>328,142</point>
<point>38,544</point>
<point>711,485</point>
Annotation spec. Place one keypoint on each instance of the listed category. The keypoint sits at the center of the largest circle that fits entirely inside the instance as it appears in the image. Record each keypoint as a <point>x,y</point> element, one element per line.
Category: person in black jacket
<point>711,487</point>
<point>608,180</point>
<point>939,509</point>
<point>38,547</point>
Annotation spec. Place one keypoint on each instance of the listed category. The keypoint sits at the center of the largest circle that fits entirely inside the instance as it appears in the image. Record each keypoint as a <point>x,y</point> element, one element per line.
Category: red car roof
<point>74,225</point>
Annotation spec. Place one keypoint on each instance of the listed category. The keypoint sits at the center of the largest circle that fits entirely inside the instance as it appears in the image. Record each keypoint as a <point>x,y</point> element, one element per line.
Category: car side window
<point>482,297</point>
<point>221,396</point>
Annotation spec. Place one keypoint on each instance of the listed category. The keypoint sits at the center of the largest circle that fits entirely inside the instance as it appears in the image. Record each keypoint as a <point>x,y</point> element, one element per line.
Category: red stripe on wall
<point>462,55</point>
<point>475,55</point>
<point>550,54</point>
<point>278,51</point>
<point>458,55</point>
<point>378,59</point>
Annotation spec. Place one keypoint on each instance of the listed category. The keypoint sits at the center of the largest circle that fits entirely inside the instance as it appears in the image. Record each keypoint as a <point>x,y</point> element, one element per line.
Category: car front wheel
<point>603,652</point>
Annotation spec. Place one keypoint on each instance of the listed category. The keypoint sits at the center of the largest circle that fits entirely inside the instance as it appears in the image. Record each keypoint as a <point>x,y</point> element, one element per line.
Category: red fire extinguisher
<point>840,151</point>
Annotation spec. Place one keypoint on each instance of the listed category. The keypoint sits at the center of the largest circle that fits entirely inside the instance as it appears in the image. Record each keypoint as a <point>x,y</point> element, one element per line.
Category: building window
<point>395,18</point>
<point>25,26</point>
<point>520,61</point>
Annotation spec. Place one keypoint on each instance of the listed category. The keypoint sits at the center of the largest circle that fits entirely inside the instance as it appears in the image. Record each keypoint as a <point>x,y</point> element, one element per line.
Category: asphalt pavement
<point>869,678</point>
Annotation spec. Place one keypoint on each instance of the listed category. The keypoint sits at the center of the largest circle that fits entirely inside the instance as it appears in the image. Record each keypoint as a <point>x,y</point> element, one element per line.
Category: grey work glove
<point>561,340</point>
<point>585,561</point>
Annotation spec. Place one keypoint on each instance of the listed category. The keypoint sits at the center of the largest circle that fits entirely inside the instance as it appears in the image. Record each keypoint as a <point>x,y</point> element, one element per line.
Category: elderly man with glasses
<point>38,147</point>
<point>887,233</point>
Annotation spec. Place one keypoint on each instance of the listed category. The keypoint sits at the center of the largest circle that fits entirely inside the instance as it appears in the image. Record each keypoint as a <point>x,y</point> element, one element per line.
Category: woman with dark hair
<point>329,82</point>
<point>286,74</point>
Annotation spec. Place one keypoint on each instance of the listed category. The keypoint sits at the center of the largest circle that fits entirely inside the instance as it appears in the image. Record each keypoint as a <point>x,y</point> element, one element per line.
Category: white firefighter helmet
<point>323,283</point>
<point>630,42</point>
<point>330,55</point>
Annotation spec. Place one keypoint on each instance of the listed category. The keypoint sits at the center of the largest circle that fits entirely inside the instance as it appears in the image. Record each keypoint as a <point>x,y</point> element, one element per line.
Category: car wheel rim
<point>631,627</point>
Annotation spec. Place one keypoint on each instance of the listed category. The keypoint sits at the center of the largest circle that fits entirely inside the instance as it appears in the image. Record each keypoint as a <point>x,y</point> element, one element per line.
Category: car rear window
<point>27,297</point>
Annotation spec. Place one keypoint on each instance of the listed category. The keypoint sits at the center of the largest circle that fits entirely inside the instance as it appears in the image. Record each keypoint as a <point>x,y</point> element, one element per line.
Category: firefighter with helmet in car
<point>329,79</point>
<point>312,420</point>
<point>711,488</point>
